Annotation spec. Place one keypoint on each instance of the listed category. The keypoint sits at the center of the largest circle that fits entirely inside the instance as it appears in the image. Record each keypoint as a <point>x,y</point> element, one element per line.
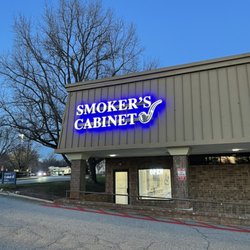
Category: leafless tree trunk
<point>7,143</point>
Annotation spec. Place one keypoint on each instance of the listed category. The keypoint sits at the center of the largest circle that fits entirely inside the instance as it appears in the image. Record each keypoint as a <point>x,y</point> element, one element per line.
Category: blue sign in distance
<point>9,178</point>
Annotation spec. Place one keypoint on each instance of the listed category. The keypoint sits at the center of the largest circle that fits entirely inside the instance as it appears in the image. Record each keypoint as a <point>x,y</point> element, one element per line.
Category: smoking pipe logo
<point>116,113</point>
<point>146,117</point>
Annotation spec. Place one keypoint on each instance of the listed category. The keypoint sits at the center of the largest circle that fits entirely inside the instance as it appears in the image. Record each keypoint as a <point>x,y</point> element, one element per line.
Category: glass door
<point>121,187</point>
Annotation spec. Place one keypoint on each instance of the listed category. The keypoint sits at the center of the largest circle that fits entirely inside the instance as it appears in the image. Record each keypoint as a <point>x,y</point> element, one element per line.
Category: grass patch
<point>52,190</point>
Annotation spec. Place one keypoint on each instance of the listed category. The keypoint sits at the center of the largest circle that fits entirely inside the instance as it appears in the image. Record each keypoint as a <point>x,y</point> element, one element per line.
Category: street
<point>32,225</point>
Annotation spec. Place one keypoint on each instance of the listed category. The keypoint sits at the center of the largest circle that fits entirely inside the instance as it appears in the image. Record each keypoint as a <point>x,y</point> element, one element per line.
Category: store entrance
<point>121,187</point>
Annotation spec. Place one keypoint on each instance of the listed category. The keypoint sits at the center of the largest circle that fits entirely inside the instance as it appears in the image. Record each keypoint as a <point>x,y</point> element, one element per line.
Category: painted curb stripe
<point>148,218</point>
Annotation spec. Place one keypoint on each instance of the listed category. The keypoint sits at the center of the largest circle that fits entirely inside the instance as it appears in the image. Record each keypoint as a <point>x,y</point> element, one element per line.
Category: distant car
<point>41,173</point>
<point>32,174</point>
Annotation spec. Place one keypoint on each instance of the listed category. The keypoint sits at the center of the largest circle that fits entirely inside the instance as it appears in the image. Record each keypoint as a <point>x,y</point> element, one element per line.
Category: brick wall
<point>77,182</point>
<point>220,183</point>
<point>230,183</point>
<point>180,185</point>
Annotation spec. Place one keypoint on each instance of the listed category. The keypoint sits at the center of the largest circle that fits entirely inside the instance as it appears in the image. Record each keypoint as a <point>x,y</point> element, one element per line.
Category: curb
<point>161,212</point>
<point>25,197</point>
<point>167,220</point>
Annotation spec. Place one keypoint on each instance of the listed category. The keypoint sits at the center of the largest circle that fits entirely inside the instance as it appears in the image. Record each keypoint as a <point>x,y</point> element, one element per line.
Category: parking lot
<point>32,225</point>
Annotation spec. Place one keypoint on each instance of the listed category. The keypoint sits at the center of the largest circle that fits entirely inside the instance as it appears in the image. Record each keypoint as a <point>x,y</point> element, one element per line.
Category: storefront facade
<point>175,133</point>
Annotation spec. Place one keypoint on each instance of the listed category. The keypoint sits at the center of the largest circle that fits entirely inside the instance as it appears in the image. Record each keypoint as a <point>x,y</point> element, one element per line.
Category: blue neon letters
<point>115,113</point>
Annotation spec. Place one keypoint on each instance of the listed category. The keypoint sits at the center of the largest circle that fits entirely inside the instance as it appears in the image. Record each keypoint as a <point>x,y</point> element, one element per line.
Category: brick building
<point>178,132</point>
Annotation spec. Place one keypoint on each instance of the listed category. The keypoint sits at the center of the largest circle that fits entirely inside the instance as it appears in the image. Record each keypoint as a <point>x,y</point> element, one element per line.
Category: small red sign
<point>181,174</point>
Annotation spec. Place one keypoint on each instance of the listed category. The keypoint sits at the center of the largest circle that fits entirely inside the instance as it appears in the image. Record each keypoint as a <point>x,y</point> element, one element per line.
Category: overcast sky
<point>174,32</point>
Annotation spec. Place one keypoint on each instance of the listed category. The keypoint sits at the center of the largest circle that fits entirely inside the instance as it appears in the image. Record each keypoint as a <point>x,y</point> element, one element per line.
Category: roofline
<point>162,72</point>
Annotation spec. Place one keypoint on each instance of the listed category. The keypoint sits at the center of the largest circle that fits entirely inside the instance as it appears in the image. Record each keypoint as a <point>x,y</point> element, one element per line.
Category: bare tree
<point>23,157</point>
<point>51,160</point>
<point>76,42</point>
<point>6,141</point>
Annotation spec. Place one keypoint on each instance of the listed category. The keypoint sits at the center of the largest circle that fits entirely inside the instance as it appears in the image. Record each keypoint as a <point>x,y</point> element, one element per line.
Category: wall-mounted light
<point>112,155</point>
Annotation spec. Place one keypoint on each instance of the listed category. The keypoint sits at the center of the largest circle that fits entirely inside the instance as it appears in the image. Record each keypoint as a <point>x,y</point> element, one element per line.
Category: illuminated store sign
<point>116,113</point>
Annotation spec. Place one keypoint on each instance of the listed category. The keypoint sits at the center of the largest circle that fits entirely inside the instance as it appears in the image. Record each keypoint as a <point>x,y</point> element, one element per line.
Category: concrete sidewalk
<point>155,212</point>
<point>140,216</point>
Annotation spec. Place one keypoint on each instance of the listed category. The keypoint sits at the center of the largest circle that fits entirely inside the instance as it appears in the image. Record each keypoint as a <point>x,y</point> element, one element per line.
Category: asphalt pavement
<point>26,224</point>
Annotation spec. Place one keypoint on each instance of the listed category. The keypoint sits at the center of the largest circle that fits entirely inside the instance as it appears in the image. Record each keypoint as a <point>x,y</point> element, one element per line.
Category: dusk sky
<point>174,32</point>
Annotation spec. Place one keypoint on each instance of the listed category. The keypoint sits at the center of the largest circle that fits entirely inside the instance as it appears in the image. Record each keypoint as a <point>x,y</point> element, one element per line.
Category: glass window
<point>227,159</point>
<point>154,183</point>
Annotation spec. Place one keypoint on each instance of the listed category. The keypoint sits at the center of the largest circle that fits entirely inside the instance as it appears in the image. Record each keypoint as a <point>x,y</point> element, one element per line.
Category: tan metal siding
<point>62,137</point>
<point>121,138</point>
<point>102,136</point>
<point>146,136</point>
<point>187,108</point>
<point>243,83</point>
<point>207,107</point>
<point>196,106</point>
<point>131,133</point>
<point>96,136</point>
<point>179,135</point>
<point>215,105</point>
<point>71,115</point>
<point>170,106</point>
<point>224,101</point>
<point>154,131</point>
<point>162,121</point>
<point>138,130</point>
<point>75,138</point>
<point>234,101</point>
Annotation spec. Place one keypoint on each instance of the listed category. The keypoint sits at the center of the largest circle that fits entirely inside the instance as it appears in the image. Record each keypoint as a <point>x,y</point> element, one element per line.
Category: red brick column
<point>77,183</point>
<point>180,176</point>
